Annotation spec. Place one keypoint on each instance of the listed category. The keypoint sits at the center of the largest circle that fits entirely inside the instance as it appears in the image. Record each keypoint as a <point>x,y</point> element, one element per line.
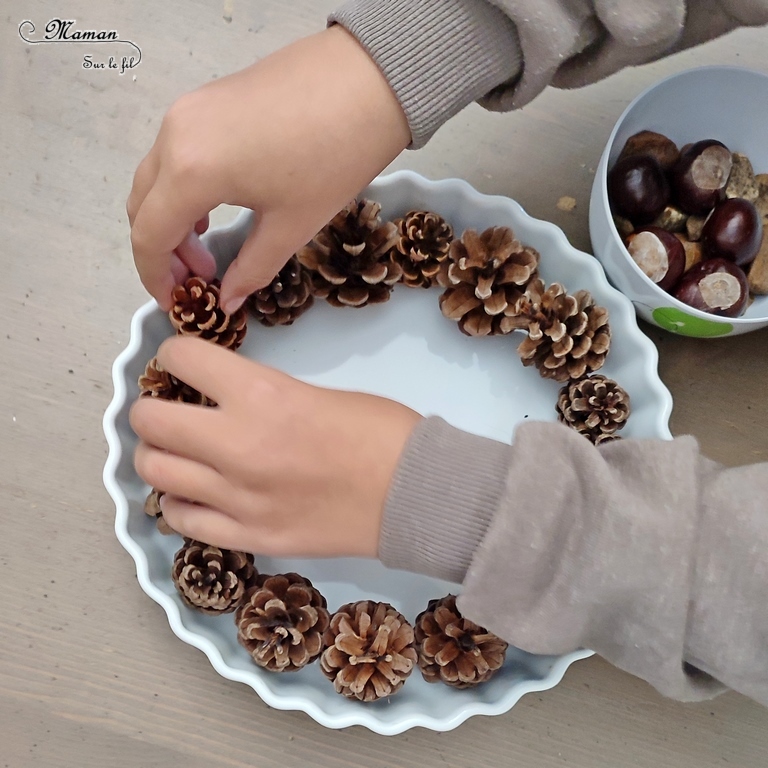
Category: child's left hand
<point>280,467</point>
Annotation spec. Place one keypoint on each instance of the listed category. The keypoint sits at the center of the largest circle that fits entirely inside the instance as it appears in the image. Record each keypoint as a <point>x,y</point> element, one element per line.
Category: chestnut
<point>656,145</point>
<point>733,231</point>
<point>716,286</point>
<point>659,254</point>
<point>638,188</point>
<point>700,176</point>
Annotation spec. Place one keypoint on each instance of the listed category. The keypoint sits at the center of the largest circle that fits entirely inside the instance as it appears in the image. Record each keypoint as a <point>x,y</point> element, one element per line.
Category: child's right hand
<point>293,137</point>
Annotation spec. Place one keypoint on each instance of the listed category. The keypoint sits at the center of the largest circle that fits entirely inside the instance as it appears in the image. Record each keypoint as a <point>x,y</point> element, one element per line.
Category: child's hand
<point>280,467</point>
<point>293,137</point>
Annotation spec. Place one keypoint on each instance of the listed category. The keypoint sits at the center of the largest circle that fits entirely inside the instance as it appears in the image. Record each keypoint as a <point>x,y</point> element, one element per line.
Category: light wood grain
<point>90,673</point>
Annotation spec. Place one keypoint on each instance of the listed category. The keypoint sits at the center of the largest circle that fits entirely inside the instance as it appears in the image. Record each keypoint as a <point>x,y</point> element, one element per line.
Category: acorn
<point>638,188</point>
<point>733,231</point>
<point>700,176</point>
<point>716,286</point>
<point>659,254</point>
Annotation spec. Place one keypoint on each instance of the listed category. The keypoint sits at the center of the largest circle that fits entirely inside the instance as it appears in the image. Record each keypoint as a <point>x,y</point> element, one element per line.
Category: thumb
<point>263,254</point>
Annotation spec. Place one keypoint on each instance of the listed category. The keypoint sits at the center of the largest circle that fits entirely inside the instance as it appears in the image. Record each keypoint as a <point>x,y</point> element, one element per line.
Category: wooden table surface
<point>90,673</point>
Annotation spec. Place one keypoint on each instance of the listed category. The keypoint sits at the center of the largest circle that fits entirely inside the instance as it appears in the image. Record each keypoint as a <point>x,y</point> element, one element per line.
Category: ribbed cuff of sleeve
<point>437,55</point>
<point>443,496</point>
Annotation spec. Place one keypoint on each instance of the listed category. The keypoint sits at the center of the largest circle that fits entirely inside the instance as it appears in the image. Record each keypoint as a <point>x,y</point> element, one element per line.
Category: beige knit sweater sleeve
<point>641,550</point>
<point>440,55</point>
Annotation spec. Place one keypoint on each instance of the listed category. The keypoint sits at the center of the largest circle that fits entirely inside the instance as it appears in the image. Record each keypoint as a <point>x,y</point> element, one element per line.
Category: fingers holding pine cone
<point>196,311</point>
<point>157,382</point>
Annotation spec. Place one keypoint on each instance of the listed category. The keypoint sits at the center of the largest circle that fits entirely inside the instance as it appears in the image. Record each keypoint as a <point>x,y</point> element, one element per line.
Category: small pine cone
<point>453,649</point>
<point>485,276</point>
<point>369,650</point>
<point>196,312</point>
<point>287,297</point>
<point>211,579</point>
<point>595,406</point>
<point>568,336</point>
<point>349,258</point>
<point>423,241</point>
<point>152,508</point>
<point>157,382</point>
<point>281,622</point>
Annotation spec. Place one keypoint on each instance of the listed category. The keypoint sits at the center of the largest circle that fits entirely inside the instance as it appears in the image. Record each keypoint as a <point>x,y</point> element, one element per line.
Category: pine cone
<point>485,276</point>
<point>285,298</point>
<point>157,382</point>
<point>421,247</point>
<point>568,336</point>
<point>210,579</point>
<point>152,508</point>
<point>281,622</point>
<point>453,649</point>
<point>593,405</point>
<point>196,312</point>
<point>369,650</point>
<point>349,257</point>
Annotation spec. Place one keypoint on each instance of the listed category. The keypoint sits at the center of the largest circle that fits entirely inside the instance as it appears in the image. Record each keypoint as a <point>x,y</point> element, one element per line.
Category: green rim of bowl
<point>672,319</point>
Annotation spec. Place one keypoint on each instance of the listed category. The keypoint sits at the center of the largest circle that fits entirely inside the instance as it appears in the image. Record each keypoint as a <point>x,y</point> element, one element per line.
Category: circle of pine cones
<point>454,650</point>
<point>491,287</point>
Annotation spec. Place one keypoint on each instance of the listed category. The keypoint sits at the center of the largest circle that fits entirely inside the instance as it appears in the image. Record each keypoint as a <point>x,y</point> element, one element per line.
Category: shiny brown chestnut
<point>657,145</point>
<point>700,176</point>
<point>716,286</point>
<point>638,188</point>
<point>659,254</point>
<point>733,231</point>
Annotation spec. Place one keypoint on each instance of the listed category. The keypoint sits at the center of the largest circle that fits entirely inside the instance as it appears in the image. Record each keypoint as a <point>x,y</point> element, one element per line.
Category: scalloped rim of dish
<point>287,702</point>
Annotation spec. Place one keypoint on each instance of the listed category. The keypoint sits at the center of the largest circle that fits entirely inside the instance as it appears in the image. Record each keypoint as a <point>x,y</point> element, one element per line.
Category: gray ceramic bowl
<point>725,103</point>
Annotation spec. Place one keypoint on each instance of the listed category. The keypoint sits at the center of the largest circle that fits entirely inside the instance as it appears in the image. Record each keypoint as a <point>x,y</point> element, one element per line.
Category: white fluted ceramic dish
<point>404,349</point>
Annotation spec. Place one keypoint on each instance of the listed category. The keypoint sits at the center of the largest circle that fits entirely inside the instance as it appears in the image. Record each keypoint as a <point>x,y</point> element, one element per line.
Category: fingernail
<point>230,306</point>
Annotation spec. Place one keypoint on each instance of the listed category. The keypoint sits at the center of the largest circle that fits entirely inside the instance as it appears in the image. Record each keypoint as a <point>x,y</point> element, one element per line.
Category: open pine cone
<point>369,650</point>
<point>281,622</point>
<point>211,579</point>
<point>423,240</point>
<point>157,382</point>
<point>453,649</point>
<point>485,275</point>
<point>595,406</point>
<point>196,312</point>
<point>568,336</point>
<point>349,257</point>
<point>287,297</point>
<point>152,508</point>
